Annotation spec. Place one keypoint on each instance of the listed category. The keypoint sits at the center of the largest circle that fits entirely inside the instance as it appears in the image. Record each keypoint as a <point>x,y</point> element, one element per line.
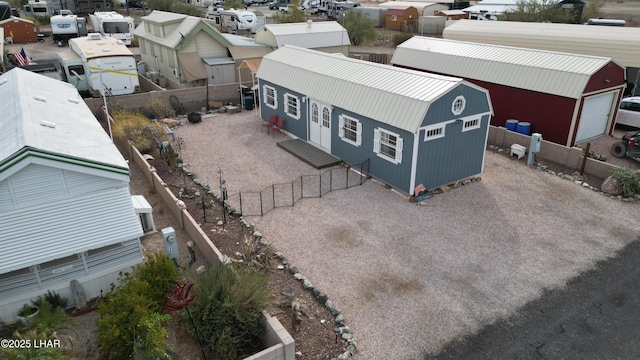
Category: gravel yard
<point>411,278</point>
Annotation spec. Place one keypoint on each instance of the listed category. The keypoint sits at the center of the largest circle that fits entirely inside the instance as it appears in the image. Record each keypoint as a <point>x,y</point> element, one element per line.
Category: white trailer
<point>38,8</point>
<point>336,8</point>
<point>66,26</point>
<point>232,20</point>
<point>113,24</point>
<point>95,64</point>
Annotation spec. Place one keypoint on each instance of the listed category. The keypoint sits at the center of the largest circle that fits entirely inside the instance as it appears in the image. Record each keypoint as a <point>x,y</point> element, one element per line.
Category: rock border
<point>341,330</point>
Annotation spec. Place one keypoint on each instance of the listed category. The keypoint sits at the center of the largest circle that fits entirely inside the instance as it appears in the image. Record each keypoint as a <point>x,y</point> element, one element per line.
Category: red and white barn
<point>568,98</point>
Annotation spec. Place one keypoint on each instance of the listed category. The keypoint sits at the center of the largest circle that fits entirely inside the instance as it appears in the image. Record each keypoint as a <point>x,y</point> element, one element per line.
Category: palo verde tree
<point>539,11</point>
<point>293,14</point>
<point>592,10</point>
<point>359,26</point>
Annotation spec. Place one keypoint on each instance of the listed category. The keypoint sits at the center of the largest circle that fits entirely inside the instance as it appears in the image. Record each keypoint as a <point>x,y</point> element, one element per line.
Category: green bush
<point>227,309</point>
<point>133,306</point>
<point>55,300</point>
<point>142,132</point>
<point>401,37</point>
<point>159,108</point>
<point>628,181</point>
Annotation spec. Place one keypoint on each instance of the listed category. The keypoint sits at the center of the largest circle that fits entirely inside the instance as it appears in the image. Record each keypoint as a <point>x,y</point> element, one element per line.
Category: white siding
<point>62,228</point>
<point>205,46</point>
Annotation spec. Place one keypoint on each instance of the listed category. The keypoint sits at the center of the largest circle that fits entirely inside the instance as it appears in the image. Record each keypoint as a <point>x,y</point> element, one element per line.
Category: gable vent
<point>48,124</point>
<point>40,98</point>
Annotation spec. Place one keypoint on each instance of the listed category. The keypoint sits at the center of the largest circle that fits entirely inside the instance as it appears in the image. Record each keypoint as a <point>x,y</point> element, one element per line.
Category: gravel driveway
<point>411,278</point>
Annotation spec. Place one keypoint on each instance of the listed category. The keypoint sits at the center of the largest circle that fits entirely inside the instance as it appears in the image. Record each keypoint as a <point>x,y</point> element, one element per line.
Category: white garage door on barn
<point>595,116</point>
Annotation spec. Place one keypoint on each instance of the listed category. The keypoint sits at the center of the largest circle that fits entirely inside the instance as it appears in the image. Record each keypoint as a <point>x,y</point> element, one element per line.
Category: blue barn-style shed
<point>414,127</point>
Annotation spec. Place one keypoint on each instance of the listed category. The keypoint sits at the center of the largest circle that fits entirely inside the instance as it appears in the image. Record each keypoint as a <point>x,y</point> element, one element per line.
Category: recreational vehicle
<point>95,64</point>
<point>336,8</point>
<point>113,24</point>
<point>66,26</point>
<point>232,20</point>
<point>37,8</point>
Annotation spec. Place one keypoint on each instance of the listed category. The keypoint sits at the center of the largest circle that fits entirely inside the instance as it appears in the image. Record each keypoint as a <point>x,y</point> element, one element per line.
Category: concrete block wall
<point>563,155</point>
<point>280,345</point>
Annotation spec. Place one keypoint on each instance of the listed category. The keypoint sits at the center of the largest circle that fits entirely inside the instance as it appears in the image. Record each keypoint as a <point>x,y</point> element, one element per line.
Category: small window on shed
<point>434,132</point>
<point>292,106</point>
<point>457,107</point>
<point>394,17</point>
<point>471,124</point>
<point>350,130</point>
<point>387,145</point>
<point>270,96</point>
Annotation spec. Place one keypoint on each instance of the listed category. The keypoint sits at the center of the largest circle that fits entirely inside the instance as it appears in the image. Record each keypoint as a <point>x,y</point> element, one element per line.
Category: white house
<point>325,36</point>
<point>65,205</point>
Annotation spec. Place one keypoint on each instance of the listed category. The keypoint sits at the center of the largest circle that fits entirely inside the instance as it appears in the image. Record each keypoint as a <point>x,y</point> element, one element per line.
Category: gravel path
<point>411,278</point>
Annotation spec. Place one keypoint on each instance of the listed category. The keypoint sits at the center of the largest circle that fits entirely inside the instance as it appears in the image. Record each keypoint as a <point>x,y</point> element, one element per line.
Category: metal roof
<point>49,115</point>
<point>308,34</point>
<point>622,44</point>
<point>395,96</point>
<point>416,4</point>
<point>93,48</point>
<point>548,72</point>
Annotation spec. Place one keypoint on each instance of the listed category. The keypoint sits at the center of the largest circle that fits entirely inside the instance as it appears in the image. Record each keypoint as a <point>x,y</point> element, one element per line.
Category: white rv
<point>66,26</point>
<point>232,20</point>
<point>38,8</point>
<point>334,9</point>
<point>113,24</point>
<point>95,64</point>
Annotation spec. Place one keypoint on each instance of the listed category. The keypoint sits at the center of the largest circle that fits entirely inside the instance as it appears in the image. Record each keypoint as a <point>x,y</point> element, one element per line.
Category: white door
<point>595,116</point>
<point>320,124</point>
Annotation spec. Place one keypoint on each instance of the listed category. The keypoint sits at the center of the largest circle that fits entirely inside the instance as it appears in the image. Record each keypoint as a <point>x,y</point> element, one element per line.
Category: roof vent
<point>40,98</point>
<point>106,50</point>
<point>74,100</point>
<point>94,36</point>
<point>309,22</point>
<point>48,124</point>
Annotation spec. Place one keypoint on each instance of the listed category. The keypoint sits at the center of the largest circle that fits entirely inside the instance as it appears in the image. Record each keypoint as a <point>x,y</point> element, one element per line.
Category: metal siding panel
<point>372,90</point>
<point>78,184</point>
<point>455,156</point>
<point>36,185</point>
<point>207,47</point>
<point>544,71</point>
<point>297,128</point>
<point>620,43</point>
<point>44,233</point>
<point>6,200</point>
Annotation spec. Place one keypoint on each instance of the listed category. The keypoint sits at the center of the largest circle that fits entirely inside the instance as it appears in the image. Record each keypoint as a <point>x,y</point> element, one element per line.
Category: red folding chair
<point>278,126</point>
<point>270,124</point>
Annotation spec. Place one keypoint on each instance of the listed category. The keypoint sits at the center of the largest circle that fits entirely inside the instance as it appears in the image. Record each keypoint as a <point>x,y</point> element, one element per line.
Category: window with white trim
<point>387,145</point>
<point>434,132</point>
<point>292,106</point>
<point>270,96</point>
<point>471,124</point>
<point>350,130</point>
<point>457,107</point>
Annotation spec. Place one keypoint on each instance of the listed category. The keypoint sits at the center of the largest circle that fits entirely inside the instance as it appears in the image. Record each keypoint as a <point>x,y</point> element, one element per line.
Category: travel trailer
<point>232,20</point>
<point>66,26</point>
<point>95,65</point>
<point>113,24</point>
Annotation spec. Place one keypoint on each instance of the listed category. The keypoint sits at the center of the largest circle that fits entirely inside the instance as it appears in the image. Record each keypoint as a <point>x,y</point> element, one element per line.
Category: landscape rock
<point>298,276</point>
<point>610,186</point>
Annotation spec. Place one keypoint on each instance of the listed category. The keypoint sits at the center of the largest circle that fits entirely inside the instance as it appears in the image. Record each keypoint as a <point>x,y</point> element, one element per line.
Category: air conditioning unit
<point>144,212</point>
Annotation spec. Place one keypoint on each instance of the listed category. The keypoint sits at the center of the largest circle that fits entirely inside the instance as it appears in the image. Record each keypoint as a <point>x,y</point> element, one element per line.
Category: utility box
<point>170,242</point>
<point>536,139</point>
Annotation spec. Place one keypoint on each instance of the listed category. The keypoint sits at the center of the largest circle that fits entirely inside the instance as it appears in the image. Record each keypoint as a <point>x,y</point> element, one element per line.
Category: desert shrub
<point>56,300</point>
<point>159,273</point>
<point>133,308</point>
<point>227,309</point>
<point>628,181</point>
<point>159,108</point>
<point>401,37</point>
<point>142,132</point>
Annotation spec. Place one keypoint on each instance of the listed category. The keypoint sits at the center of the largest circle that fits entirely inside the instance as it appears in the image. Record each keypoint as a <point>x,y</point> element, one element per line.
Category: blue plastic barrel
<point>248,103</point>
<point>523,128</point>
<point>511,124</point>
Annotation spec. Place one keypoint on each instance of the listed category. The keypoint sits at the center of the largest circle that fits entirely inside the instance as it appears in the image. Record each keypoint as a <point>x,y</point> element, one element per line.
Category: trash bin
<point>248,102</point>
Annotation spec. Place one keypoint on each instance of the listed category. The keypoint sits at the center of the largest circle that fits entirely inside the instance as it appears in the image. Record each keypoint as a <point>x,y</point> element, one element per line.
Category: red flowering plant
<point>180,298</point>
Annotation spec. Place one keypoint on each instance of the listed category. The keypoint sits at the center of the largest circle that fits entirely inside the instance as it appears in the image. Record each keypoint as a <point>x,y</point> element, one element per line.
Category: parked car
<point>273,5</point>
<point>629,112</point>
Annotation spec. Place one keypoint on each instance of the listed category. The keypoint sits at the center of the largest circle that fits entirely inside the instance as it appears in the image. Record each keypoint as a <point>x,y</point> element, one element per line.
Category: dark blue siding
<point>440,110</point>
<point>291,125</point>
<point>396,175</point>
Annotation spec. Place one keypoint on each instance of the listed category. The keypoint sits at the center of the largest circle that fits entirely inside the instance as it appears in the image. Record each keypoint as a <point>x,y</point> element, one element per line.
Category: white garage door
<point>595,116</point>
